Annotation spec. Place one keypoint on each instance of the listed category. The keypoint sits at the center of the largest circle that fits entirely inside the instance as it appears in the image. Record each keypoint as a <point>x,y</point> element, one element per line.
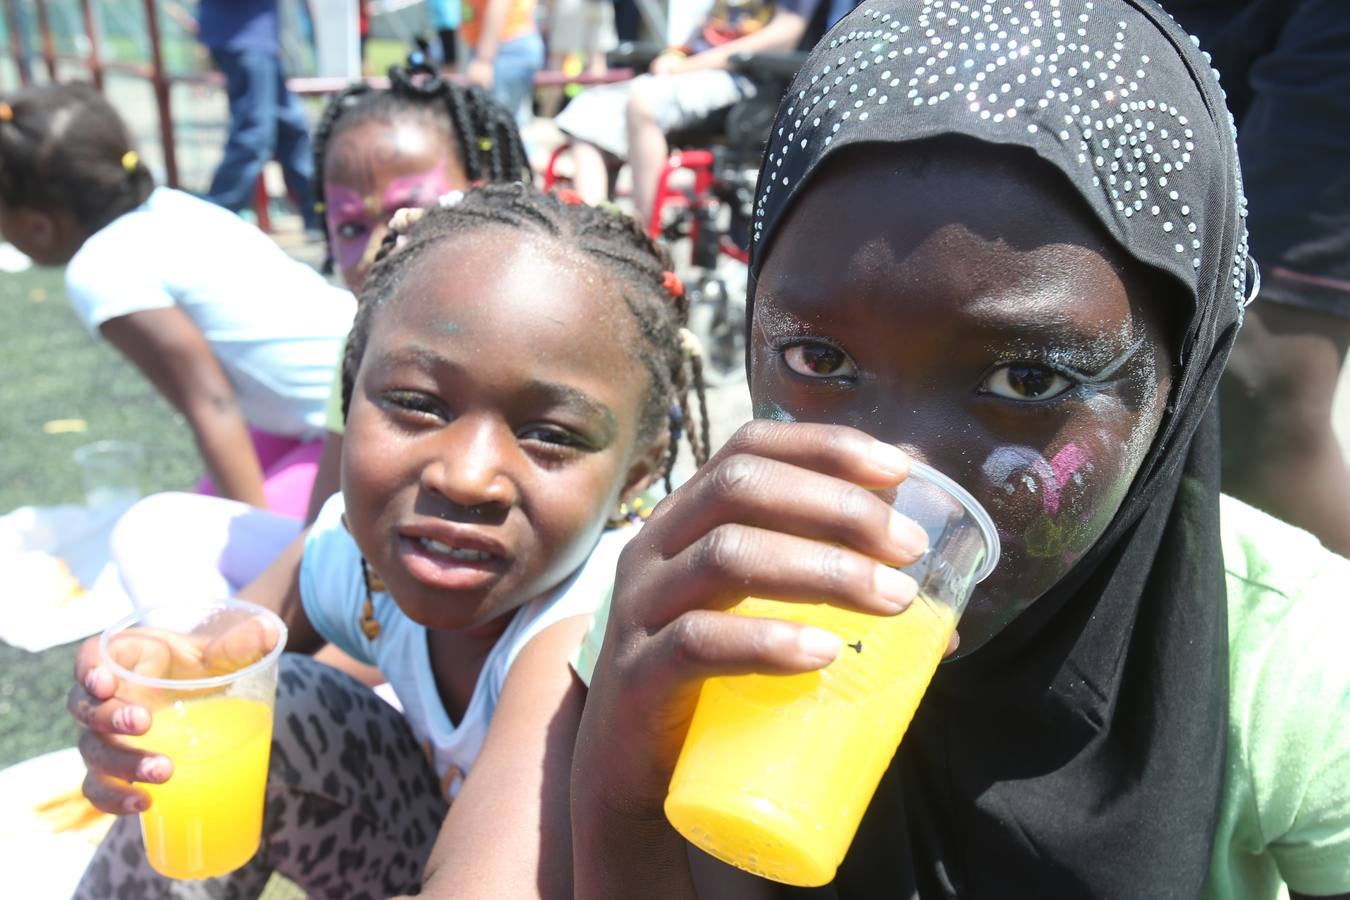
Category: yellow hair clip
<point>6,113</point>
<point>130,160</point>
<point>485,144</point>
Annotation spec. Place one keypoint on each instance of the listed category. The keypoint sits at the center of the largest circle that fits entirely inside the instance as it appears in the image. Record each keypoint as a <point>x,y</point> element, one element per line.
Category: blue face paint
<point>773,412</point>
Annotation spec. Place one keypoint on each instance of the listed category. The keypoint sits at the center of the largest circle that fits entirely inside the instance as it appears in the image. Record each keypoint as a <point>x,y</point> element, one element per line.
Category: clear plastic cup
<point>777,770</point>
<point>111,472</point>
<point>208,675</point>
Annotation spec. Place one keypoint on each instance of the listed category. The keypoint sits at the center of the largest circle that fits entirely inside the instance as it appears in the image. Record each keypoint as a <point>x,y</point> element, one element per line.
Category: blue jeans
<point>513,75</point>
<point>266,122</point>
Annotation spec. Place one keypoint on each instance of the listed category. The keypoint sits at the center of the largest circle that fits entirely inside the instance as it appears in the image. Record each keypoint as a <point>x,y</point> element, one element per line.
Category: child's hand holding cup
<point>777,770</point>
<point>195,684</point>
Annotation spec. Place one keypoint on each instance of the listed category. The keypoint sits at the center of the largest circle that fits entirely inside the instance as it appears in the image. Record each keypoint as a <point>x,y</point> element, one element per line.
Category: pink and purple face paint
<point>353,218</point>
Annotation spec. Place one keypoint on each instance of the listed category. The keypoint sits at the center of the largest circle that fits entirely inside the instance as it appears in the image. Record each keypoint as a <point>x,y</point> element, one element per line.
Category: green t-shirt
<point>1284,815</point>
<point>1285,811</point>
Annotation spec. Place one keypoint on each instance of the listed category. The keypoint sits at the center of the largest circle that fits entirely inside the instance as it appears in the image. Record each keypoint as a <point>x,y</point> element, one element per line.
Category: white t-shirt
<point>274,323</point>
<point>333,591</point>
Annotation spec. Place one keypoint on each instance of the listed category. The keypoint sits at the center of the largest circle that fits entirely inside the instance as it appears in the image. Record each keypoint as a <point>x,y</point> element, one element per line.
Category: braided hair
<point>483,132</point>
<point>63,147</point>
<point>615,242</point>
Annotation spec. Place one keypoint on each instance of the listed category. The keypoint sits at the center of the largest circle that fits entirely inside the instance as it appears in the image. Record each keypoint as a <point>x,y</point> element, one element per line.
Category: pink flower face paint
<point>355,218</point>
<point>1044,497</point>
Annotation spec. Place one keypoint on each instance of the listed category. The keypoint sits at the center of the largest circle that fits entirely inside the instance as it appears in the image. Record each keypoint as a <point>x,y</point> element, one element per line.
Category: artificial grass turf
<point>54,376</point>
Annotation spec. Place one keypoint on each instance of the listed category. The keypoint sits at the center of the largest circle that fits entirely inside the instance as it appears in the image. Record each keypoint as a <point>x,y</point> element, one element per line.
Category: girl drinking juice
<point>1007,240</point>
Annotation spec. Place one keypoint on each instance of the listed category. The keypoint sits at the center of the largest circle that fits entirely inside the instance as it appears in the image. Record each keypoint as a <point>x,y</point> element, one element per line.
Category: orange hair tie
<point>671,282</point>
<point>6,113</point>
<point>568,196</point>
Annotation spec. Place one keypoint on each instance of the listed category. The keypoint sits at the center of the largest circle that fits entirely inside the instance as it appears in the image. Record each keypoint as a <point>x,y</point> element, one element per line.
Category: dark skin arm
<point>783,511</point>
<point>173,354</point>
<point>507,833</point>
<point>328,479</point>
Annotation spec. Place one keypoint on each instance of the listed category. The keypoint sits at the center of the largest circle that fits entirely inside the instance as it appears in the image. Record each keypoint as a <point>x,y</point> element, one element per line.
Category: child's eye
<point>351,230</point>
<point>1026,381</point>
<point>817,360</point>
<point>416,402</point>
<point>555,437</point>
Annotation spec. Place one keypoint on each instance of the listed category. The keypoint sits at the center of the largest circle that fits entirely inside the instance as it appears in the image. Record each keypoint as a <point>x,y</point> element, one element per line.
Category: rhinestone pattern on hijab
<point>1018,73</point>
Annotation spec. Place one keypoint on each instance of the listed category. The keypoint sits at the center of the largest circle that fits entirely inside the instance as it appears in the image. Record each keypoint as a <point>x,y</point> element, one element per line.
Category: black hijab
<point>1080,753</point>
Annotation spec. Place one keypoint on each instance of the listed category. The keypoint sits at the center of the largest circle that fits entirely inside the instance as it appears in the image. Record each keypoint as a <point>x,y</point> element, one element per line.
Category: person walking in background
<point>1286,70</point>
<point>505,50</point>
<point>266,120</point>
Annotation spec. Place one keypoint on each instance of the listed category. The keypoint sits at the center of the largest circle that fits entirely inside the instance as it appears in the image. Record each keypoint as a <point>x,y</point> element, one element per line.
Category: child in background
<point>377,151</point>
<point>494,428</point>
<point>236,335</point>
<point>1008,241</point>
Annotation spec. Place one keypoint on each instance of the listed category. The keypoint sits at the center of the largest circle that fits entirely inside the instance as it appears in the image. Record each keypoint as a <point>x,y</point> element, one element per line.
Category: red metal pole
<point>95,43</point>
<point>161,85</point>
<point>48,45</point>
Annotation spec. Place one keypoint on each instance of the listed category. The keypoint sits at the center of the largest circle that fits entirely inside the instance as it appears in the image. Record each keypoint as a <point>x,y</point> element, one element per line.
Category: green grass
<point>51,369</point>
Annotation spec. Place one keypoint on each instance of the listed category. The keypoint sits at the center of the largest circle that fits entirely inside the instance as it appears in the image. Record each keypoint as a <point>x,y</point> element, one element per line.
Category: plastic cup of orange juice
<point>208,675</point>
<point>777,770</point>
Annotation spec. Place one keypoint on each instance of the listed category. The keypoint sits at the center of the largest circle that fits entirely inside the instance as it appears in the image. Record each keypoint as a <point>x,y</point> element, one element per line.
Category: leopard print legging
<point>353,806</point>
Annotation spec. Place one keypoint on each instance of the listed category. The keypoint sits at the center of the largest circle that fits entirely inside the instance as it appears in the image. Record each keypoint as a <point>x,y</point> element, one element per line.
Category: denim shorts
<point>513,75</point>
<point>599,115</point>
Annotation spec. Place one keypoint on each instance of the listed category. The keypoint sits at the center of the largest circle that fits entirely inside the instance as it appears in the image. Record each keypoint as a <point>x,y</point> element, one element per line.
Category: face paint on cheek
<point>772,411</point>
<point>1037,502</point>
<point>347,206</point>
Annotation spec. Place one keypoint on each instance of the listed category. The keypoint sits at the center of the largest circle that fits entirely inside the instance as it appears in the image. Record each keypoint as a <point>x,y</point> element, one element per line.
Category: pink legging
<point>289,466</point>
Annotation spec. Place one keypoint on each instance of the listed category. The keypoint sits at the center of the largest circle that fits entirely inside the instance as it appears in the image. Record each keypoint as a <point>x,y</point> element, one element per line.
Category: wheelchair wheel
<point>717,318</point>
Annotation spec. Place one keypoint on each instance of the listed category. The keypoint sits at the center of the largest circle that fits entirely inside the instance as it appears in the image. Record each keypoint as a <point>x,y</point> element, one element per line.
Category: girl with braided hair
<point>516,377</point>
<point>377,151</point>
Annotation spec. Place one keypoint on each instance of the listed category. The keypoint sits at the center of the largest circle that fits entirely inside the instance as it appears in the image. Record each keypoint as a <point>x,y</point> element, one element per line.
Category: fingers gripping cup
<point>208,675</point>
<point>777,770</point>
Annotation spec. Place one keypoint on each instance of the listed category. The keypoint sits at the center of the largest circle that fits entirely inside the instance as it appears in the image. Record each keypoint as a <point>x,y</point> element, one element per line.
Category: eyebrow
<point>550,393</point>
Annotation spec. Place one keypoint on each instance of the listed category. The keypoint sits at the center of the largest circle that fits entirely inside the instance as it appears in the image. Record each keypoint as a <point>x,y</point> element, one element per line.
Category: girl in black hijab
<point>1008,238</point>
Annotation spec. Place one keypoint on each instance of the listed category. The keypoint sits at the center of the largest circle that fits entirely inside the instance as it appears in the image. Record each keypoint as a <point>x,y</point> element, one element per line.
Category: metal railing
<point>162,80</point>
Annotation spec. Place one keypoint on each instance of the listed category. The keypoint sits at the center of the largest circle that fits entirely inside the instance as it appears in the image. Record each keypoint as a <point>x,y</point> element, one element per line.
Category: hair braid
<point>465,129</point>
<point>617,244</point>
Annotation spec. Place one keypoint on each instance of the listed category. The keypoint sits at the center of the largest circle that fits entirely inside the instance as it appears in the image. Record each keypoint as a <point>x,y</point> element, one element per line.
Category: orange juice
<point>206,820</point>
<point>777,770</point>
